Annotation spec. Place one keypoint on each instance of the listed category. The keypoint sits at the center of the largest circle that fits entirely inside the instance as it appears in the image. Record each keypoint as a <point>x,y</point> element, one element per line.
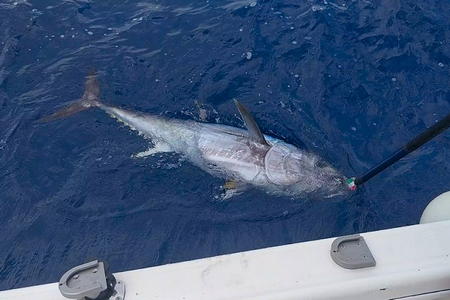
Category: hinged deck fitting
<point>91,281</point>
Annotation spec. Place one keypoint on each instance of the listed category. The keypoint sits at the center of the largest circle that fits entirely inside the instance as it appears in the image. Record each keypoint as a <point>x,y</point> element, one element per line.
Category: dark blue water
<point>349,80</point>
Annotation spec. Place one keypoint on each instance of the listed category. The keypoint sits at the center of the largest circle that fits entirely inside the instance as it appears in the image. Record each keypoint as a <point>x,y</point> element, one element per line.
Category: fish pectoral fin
<point>157,148</point>
<point>232,188</point>
<point>230,185</point>
<point>252,127</point>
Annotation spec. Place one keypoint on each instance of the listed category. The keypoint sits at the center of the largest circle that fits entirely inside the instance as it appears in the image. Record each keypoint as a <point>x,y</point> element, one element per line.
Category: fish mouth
<point>336,187</point>
<point>337,182</point>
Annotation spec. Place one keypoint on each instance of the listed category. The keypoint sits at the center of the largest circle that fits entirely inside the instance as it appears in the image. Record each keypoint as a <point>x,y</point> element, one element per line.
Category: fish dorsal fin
<point>251,124</point>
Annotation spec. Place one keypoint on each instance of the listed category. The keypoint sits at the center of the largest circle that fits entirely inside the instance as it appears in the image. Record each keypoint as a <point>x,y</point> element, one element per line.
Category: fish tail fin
<point>90,98</point>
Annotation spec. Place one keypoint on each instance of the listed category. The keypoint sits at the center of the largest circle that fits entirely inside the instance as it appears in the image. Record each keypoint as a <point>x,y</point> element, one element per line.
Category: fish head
<point>301,172</point>
<point>329,180</point>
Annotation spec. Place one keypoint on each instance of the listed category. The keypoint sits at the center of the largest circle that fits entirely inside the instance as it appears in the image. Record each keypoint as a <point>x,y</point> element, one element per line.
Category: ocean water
<point>348,80</point>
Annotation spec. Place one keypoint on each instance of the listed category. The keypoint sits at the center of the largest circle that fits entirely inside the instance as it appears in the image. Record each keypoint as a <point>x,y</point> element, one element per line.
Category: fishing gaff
<point>412,145</point>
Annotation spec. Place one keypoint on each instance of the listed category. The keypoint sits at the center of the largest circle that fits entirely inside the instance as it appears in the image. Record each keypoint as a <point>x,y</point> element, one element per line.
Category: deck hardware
<point>91,281</point>
<point>352,252</point>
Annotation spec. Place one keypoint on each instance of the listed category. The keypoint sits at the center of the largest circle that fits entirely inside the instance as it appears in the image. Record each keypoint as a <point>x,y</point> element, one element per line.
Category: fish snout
<point>336,181</point>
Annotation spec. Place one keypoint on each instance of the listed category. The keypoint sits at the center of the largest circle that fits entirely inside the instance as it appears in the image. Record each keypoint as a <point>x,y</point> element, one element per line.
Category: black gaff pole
<point>415,143</point>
